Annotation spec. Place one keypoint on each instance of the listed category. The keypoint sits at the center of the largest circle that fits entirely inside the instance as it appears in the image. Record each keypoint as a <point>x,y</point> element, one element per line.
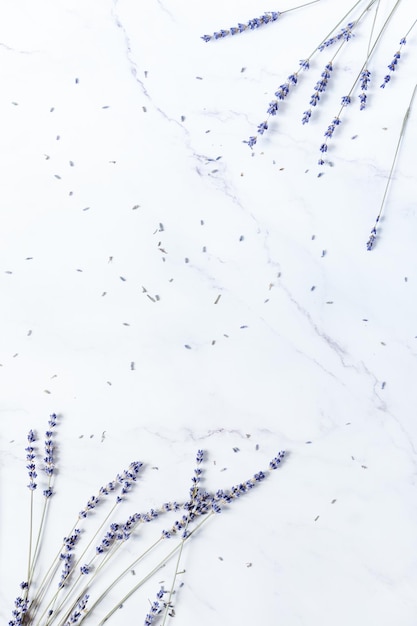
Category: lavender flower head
<point>371,241</point>
<point>253,24</point>
<point>393,65</point>
<point>345,34</point>
<point>30,459</point>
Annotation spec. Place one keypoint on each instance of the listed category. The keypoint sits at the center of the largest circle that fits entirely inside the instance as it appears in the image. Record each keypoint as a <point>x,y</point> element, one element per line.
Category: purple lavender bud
<point>387,78</point>
<point>47,493</point>
<point>282,91</point>
<point>292,78</point>
<point>362,98</point>
<point>394,61</point>
<point>306,116</point>
<point>251,141</point>
<point>403,41</point>
<point>77,612</point>
<point>199,456</point>
<point>345,101</point>
<point>365,78</point>
<point>326,72</point>
<point>323,147</point>
<point>31,436</point>
<point>85,569</point>
<point>263,126</point>
<point>371,241</point>
<point>321,85</point>
<point>273,107</point>
<point>315,98</point>
<point>329,131</point>
<point>278,459</point>
<point>320,162</point>
<point>52,420</point>
<point>304,64</point>
<point>206,37</point>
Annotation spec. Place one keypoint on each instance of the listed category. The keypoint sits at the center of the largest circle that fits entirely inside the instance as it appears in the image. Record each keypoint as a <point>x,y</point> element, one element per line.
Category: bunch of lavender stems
<point>304,65</point>
<point>207,505</point>
<point>371,241</point>
<point>346,100</point>
<point>70,601</point>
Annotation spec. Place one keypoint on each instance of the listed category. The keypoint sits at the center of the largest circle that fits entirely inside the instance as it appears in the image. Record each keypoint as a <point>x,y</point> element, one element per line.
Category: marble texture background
<point>165,289</point>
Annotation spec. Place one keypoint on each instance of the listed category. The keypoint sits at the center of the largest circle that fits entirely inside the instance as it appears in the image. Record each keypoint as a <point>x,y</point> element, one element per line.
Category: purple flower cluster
<point>320,87</point>
<point>67,556</point>
<point>204,502</point>
<point>371,241</point>
<point>30,459</point>
<point>49,454</point>
<point>266,18</point>
<point>345,34</point>
<point>77,613</point>
<point>156,608</point>
<point>18,613</point>
<point>281,93</point>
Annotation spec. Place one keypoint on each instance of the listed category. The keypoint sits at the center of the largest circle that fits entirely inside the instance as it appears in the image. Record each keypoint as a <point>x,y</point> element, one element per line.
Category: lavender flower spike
<point>371,240</point>
<point>397,55</point>
<point>266,18</point>
<point>345,34</point>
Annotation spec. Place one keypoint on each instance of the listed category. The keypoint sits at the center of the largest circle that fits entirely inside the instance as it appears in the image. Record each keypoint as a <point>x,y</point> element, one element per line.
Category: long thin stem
<point>30,540</point>
<point>300,6</point>
<point>372,32</point>
<point>371,240</point>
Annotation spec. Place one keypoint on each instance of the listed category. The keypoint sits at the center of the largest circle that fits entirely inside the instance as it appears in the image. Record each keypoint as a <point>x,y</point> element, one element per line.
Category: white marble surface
<point>163,285</point>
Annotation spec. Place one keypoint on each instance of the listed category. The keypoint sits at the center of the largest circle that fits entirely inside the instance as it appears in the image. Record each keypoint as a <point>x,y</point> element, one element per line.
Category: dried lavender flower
<point>252,24</point>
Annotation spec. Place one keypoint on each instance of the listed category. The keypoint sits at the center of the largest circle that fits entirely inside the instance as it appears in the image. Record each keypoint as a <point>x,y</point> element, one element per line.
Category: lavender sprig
<point>155,609</point>
<point>396,57</point>
<point>253,24</point>
<point>266,18</point>
<point>345,34</point>
<point>365,75</point>
<point>372,238</point>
